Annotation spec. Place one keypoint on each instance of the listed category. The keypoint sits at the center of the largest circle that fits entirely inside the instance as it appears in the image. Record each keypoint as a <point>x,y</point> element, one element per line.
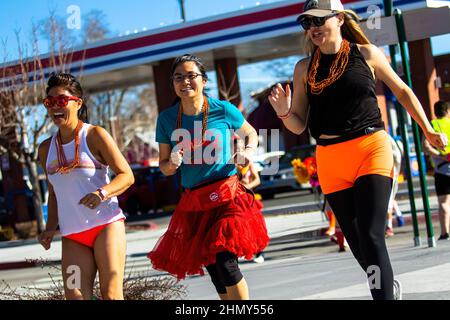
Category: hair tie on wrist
<point>285,116</point>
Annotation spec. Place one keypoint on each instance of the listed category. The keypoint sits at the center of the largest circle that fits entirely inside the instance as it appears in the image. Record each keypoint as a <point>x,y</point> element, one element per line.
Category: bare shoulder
<point>97,134</point>
<point>44,146</point>
<point>302,65</point>
<point>43,150</point>
<point>370,51</point>
<point>301,68</point>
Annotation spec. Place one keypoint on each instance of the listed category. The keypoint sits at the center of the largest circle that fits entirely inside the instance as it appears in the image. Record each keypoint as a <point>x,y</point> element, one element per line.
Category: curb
<point>141,226</point>
<point>17,265</point>
<point>420,219</point>
<point>25,264</point>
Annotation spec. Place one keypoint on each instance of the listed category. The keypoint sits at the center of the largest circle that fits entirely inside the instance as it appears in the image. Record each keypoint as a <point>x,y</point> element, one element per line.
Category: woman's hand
<point>176,158</point>
<point>280,99</point>
<point>91,200</point>
<point>243,158</point>
<point>438,140</point>
<point>45,238</point>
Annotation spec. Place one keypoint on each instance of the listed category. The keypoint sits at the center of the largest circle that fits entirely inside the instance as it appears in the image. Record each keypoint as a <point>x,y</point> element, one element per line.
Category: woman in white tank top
<point>82,200</point>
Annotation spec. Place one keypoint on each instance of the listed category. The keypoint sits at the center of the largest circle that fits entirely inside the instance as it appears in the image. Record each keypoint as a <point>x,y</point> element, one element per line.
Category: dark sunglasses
<point>59,101</point>
<point>307,21</point>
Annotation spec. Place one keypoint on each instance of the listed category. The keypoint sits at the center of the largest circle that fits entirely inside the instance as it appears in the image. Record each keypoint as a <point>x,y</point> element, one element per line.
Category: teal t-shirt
<point>212,160</point>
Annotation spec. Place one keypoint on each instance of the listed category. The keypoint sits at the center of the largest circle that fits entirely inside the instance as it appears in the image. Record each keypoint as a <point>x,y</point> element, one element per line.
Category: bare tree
<point>226,91</point>
<point>124,111</point>
<point>105,110</point>
<point>61,40</point>
<point>95,27</point>
<point>139,115</point>
<point>23,120</point>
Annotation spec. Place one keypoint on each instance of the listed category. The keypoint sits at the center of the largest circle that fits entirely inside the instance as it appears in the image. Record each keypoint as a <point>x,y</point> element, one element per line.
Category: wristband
<point>285,116</point>
<point>102,193</point>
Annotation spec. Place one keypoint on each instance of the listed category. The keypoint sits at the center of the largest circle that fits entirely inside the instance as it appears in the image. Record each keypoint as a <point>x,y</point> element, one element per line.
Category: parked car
<point>7,204</point>
<point>152,190</point>
<point>4,212</point>
<point>284,179</point>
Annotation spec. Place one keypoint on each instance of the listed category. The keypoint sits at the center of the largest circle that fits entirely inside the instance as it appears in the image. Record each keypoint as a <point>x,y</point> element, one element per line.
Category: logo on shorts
<point>214,196</point>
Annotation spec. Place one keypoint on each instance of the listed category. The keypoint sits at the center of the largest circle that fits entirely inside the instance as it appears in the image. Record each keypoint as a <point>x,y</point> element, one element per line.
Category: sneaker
<point>397,290</point>
<point>259,258</point>
<point>330,232</point>
<point>444,237</point>
<point>343,245</point>
<point>389,232</point>
<point>400,221</point>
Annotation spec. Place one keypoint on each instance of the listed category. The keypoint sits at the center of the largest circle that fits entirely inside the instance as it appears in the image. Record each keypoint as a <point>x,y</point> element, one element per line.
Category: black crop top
<point>347,105</point>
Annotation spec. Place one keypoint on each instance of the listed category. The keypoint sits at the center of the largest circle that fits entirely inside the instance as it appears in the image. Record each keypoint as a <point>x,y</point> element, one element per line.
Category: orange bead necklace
<point>62,161</point>
<point>337,68</point>
<point>205,110</point>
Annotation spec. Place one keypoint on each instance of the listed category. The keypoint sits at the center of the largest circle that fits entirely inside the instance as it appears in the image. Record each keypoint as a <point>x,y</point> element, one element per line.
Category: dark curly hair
<point>71,84</point>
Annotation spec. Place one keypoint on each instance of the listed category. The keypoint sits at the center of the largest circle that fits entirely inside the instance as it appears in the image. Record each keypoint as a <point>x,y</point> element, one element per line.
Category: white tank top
<point>69,188</point>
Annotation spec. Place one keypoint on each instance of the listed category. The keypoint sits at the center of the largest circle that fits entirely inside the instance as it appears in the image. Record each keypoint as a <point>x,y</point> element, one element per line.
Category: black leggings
<point>225,272</point>
<point>361,213</point>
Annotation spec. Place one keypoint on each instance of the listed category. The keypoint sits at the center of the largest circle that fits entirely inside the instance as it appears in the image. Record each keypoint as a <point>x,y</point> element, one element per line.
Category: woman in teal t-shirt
<point>217,220</point>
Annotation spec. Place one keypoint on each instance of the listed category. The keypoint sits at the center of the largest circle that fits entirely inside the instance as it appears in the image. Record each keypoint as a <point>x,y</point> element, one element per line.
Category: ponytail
<point>83,113</point>
<point>351,30</point>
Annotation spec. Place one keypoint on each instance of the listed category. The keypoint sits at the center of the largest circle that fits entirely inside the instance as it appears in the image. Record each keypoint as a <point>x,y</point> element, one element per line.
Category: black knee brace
<point>217,282</point>
<point>228,268</point>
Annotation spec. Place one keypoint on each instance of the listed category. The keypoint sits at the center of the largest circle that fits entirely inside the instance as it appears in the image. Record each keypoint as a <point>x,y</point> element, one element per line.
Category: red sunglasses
<point>60,101</point>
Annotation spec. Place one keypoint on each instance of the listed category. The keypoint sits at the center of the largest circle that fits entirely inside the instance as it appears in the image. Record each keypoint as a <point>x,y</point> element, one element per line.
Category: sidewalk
<point>13,254</point>
<point>142,236</point>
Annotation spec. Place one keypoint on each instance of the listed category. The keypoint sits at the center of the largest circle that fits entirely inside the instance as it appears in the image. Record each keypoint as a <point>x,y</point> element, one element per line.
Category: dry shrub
<point>136,286</point>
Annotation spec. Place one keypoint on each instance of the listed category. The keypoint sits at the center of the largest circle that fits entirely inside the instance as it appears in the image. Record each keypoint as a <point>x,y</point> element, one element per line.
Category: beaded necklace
<point>62,161</point>
<point>205,110</point>
<point>336,70</point>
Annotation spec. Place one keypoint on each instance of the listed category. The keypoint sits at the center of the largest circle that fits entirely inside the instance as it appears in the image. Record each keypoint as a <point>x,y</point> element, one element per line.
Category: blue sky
<point>122,16</point>
<point>129,15</point>
<point>135,15</point>
<point>122,19</point>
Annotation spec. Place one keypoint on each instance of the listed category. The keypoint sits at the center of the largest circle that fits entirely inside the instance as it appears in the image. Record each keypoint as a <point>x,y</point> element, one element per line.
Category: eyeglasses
<point>306,21</point>
<point>60,101</point>
<point>180,78</point>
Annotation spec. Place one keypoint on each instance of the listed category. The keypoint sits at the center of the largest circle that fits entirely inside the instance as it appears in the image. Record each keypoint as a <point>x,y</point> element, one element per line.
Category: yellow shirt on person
<point>442,125</point>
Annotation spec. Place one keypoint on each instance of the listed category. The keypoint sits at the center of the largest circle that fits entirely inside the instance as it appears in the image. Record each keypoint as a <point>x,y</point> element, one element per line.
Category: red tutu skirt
<point>222,216</point>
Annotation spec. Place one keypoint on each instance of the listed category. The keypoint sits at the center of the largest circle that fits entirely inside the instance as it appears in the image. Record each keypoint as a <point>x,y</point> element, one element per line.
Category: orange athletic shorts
<point>88,237</point>
<point>340,164</point>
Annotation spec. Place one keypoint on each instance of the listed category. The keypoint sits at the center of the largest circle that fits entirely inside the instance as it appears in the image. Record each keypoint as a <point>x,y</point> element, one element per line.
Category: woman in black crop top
<point>334,94</point>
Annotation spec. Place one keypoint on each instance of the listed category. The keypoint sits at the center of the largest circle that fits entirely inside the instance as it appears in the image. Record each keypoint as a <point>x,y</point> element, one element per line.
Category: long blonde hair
<point>350,31</point>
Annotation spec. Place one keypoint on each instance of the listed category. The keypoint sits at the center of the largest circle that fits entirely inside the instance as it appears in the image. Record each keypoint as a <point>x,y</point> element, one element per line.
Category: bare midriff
<point>325,136</point>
